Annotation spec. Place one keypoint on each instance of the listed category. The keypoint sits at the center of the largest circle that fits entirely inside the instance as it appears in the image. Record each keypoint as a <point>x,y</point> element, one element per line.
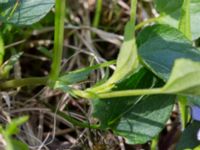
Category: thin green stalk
<point>154,143</point>
<point>2,49</point>
<point>125,93</point>
<point>24,82</point>
<point>182,101</point>
<point>133,11</point>
<point>58,40</point>
<point>185,28</point>
<point>140,25</point>
<point>13,9</point>
<point>97,13</point>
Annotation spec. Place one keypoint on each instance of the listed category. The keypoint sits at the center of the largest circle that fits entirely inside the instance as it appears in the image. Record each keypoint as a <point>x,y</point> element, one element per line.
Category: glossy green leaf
<point>126,116</point>
<point>146,119</point>
<point>189,137</point>
<point>159,47</point>
<point>24,12</point>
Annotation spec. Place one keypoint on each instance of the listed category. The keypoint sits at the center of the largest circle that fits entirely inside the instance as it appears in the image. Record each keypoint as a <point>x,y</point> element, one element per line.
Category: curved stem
<point>140,25</point>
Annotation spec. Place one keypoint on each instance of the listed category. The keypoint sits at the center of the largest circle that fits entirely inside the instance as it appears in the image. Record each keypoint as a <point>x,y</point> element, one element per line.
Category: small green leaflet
<point>184,78</point>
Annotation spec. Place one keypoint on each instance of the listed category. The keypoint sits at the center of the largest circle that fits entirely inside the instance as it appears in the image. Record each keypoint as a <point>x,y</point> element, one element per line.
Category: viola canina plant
<point>158,67</point>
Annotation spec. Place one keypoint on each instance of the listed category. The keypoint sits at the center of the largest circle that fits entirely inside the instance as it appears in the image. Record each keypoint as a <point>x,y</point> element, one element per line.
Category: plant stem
<point>185,28</point>
<point>2,49</point>
<point>97,13</point>
<point>58,39</point>
<point>154,143</point>
<point>182,101</point>
<point>126,93</point>
<point>24,82</point>
<point>184,23</point>
<point>133,11</point>
<point>140,25</point>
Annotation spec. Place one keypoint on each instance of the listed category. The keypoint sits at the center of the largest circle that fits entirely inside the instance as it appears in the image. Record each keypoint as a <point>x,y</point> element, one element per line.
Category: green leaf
<point>169,6</point>
<point>159,47</point>
<point>195,19</point>
<point>173,14</point>
<point>124,67</point>
<point>12,129</point>
<point>113,107</point>
<point>184,78</point>
<point>129,51</point>
<point>24,12</point>
<point>146,119</point>
<point>126,115</point>
<point>4,1</point>
<point>189,137</point>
